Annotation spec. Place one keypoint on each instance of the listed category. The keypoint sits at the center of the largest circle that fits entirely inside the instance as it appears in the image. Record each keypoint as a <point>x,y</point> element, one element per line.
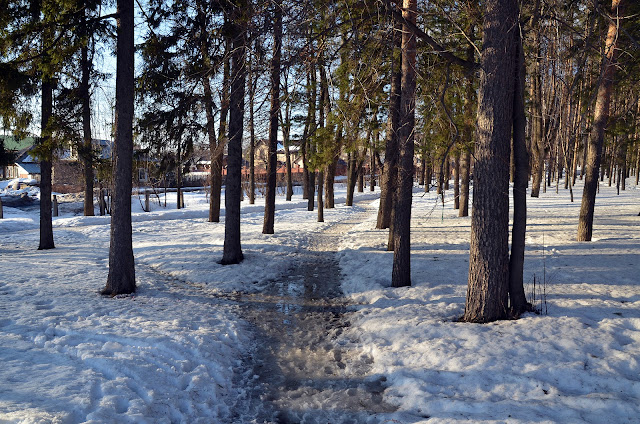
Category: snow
<point>174,351</point>
<point>579,361</point>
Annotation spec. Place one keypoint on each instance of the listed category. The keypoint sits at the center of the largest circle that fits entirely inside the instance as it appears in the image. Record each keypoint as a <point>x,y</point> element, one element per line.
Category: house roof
<point>30,168</point>
<point>14,144</point>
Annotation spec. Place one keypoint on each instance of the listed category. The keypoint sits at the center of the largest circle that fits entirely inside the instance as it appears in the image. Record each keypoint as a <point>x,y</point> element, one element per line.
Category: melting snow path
<point>304,370</point>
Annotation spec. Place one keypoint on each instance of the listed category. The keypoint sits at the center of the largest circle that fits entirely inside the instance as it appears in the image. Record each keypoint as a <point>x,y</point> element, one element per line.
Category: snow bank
<point>577,362</point>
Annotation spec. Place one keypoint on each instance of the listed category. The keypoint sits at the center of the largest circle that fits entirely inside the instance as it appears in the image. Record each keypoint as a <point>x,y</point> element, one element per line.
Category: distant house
<point>24,166</point>
<point>15,162</point>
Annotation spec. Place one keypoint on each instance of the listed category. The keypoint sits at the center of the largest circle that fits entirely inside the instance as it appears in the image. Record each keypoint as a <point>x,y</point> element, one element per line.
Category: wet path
<point>302,371</point>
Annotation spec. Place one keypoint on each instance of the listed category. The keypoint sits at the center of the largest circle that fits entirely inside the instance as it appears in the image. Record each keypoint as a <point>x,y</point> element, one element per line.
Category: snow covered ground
<point>172,352</point>
<point>579,361</point>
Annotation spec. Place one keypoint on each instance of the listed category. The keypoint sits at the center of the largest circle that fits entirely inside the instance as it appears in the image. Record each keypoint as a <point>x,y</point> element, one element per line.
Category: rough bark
<point>487,292</point>
<point>596,138</point>
<point>272,161</point>
<point>232,251</point>
<point>401,273</point>
<point>121,278</point>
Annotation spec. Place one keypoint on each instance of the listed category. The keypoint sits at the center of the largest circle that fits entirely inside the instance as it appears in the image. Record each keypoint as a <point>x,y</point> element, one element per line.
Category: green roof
<point>11,143</point>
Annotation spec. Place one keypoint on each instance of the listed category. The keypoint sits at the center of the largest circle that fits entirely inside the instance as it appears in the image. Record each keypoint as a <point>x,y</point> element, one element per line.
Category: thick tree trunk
<point>122,278</point>
<point>46,157</point>
<point>596,138</point>
<point>87,157</point>
<point>232,251</point>
<point>401,273</point>
<point>390,169</point>
<point>272,159</point>
<point>487,292</point>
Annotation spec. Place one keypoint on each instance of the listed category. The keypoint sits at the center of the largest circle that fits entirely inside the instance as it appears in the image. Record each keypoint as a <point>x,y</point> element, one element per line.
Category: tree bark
<point>320,200</point>
<point>217,153</point>
<point>286,141</point>
<point>596,138</point>
<point>517,298</point>
<point>456,182</point>
<point>46,157</point>
<point>487,292</point>
<point>272,159</point>
<point>537,124</point>
<point>214,204</point>
<point>252,138</point>
<point>121,278</point>
<point>232,251</point>
<point>352,175</point>
<point>389,171</point>
<point>465,157</point>
<point>87,157</point>
<point>401,273</point>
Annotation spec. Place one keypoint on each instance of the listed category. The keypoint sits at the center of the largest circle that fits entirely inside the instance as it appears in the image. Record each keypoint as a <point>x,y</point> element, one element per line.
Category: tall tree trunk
<point>286,141</point>
<point>46,158</point>
<point>456,182</point>
<point>217,153</point>
<point>214,204</point>
<point>320,200</point>
<point>309,129</point>
<point>361,176</point>
<point>518,301</point>
<point>596,138</point>
<point>272,158</point>
<point>122,278</point>
<point>487,292</point>
<point>401,273</point>
<point>390,169</point>
<point>352,175</point>
<point>178,170</point>
<point>423,167</point>
<point>87,157</point>
<point>252,137</point>
<point>372,166</point>
<point>331,169</point>
<point>537,124</point>
<point>232,251</point>
<point>465,157</point>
